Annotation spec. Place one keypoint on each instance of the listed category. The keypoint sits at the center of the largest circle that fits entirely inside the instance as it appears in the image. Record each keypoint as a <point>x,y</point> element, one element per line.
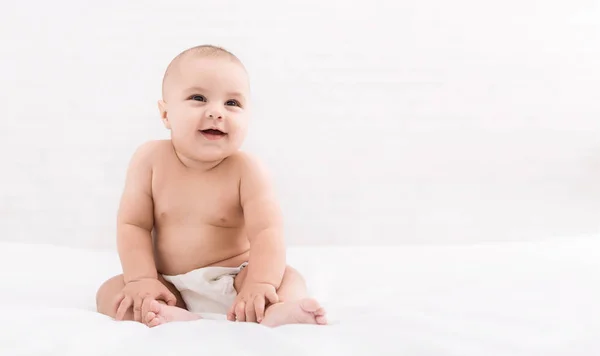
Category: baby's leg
<point>294,306</point>
<point>107,302</point>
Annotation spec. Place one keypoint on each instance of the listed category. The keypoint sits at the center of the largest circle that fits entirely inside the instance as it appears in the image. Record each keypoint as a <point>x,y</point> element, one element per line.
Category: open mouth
<point>213,134</point>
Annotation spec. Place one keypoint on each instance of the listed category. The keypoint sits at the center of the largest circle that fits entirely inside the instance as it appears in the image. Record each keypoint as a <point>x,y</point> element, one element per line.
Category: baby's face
<point>206,105</point>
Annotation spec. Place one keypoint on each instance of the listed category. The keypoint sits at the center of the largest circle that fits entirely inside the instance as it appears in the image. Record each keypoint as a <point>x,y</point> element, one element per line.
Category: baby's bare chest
<point>196,199</point>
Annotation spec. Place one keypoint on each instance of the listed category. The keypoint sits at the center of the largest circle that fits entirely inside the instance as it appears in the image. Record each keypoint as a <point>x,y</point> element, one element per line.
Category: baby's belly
<point>179,250</point>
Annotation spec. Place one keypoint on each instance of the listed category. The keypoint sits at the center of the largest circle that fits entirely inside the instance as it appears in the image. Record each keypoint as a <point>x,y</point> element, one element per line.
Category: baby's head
<point>205,103</point>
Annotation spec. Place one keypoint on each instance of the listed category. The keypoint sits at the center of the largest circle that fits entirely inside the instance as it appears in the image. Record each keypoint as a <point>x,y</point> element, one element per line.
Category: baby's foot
<point>305,311</point>
<point>161,313</point>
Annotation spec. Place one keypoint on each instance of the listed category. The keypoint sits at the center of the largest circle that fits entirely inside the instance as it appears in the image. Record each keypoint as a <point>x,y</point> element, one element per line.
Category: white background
<point>383,122</point>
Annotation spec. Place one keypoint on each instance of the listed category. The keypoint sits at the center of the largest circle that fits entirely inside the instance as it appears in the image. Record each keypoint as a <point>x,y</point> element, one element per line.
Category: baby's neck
<point>201,166</point>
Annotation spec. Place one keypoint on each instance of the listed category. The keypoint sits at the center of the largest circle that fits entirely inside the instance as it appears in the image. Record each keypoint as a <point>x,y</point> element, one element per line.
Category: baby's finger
<point>118,300</point>
<point>123,308</point>
<point>167,296</point>
<point>231,312</point>
<point>272,296</point>
<point>137,308</point>
<point>250,313</point>
<point>259,306</point>
<point>240,311</point>
<point>146,308</point>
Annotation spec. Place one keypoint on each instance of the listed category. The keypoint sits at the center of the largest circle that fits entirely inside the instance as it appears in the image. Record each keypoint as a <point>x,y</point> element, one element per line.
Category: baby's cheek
<point>187,126</point>
<point>240,129</point>
<point>237,139</point>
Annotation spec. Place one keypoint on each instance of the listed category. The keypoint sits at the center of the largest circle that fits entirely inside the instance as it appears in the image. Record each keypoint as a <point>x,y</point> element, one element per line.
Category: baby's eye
<point>232,103</point>
<point>198,97</point>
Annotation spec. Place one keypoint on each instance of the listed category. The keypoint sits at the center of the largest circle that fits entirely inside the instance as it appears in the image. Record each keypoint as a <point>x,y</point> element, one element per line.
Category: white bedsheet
<point>496,299</point>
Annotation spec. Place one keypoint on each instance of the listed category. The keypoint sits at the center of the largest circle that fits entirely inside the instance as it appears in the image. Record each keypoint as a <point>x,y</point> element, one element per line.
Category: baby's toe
<point>154,322</point>
<point>150,316</point>
<point>320,312</point>
<point>321,319</point>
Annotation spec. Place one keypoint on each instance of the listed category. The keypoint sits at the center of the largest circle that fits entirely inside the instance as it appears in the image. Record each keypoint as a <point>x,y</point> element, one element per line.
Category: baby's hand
<point>249,305</point>
<point>135,292</point>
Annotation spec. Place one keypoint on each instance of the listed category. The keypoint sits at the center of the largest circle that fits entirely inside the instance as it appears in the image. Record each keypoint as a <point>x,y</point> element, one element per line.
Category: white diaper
<point>207,290</point>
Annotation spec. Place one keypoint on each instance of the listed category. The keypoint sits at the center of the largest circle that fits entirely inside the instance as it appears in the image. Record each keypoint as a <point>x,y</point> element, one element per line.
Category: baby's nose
<point>214,113</point>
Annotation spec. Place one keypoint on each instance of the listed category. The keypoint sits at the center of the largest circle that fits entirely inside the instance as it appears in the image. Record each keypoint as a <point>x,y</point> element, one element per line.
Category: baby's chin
<point>211,154</point>
<point>191,153</point>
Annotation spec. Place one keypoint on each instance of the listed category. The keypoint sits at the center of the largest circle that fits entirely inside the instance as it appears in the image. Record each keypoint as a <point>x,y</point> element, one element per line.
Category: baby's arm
<point>136,219</point>
<point>264,225</point>
<point>134,238</point>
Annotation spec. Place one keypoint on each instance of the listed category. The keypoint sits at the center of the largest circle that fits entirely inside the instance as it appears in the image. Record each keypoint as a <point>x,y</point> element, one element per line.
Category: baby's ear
<point>162,108</point>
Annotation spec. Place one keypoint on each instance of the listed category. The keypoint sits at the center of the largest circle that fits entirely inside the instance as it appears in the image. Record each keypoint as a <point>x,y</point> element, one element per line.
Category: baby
<point>199,229</point>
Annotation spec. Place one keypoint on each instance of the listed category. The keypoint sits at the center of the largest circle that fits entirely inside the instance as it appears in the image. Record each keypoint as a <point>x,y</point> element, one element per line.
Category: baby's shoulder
<point>244,162</point>
<point>150,150</point>
<point>250,169</point>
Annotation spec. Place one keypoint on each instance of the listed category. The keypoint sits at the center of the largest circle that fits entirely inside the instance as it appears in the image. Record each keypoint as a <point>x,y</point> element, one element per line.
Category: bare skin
<point>293,307</point>
<point>197,201</point>
<point>177,251</point>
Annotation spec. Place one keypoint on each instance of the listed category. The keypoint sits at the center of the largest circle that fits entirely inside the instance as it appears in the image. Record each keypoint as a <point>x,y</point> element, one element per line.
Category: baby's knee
<point>291,272</point>
<point>107,293</point>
